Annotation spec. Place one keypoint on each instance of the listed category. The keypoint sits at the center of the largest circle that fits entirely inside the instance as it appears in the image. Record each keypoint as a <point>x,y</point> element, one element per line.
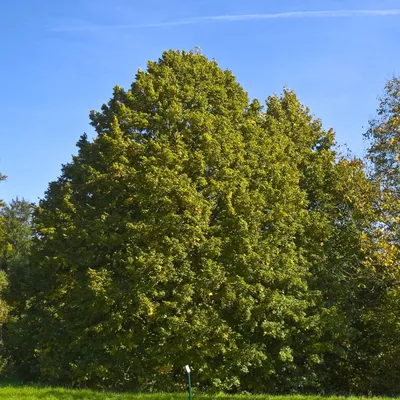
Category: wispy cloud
<point>235,18</point>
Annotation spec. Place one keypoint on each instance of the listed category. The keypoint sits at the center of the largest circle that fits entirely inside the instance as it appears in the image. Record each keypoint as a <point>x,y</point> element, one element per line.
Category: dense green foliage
<point>18,233</point>
<point>17,228</point>
<point>382,244</point>
<point>384,134</point>
<point>16,236</point>
<point>201,227</point>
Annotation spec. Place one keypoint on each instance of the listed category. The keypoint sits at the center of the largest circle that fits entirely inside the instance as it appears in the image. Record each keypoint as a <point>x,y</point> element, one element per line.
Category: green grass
<point>32,393</point>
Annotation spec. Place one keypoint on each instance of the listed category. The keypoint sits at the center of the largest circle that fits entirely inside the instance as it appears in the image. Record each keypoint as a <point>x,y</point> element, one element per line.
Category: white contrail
<point>240,17</point>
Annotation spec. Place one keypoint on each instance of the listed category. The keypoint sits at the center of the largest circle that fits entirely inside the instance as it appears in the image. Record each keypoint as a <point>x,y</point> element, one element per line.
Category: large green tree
<point>382,244</point>
<point>197,227</point>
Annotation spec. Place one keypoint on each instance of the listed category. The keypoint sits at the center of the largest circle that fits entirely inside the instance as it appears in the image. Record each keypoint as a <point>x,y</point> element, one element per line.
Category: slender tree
<point>382,245</point>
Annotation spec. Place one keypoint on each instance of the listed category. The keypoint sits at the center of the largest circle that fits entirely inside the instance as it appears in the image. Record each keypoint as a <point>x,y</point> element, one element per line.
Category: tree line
<point>201,227</point>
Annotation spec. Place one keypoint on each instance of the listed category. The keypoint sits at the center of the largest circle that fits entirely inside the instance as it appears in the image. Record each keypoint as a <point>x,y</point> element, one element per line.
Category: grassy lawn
<point>31,393</point>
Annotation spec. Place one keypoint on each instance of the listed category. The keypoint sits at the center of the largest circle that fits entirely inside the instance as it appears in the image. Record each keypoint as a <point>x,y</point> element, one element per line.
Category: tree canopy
<point>201,227</point>
<point>197,227</point>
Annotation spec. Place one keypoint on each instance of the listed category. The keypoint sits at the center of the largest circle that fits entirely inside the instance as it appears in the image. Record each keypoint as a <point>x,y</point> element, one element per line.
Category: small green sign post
<point>189,383</point>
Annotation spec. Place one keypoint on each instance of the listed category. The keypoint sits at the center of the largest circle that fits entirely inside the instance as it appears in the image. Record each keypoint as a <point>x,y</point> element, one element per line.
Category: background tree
<point>2,178</point>
<point>18,234</point>
<point>16,239</point>
<point>382,246</point>
<point>384,137</point>
<point>17,223</point>
<point>3,286</point>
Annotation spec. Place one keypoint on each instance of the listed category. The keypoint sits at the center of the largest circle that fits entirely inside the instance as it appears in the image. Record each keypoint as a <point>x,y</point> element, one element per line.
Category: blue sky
<point>60,59</point>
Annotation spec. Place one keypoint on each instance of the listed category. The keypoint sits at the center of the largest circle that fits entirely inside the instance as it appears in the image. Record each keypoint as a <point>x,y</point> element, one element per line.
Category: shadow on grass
<point>35,392</point>
<point>22,392</point>
<point>90,395</point>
